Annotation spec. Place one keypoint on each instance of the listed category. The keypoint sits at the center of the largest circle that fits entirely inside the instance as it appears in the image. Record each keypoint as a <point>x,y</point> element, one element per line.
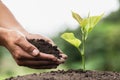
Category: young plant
<point>86,25</point>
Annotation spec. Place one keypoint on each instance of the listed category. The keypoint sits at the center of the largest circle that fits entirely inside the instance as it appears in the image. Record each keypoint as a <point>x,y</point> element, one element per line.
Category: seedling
<point>86,25</point>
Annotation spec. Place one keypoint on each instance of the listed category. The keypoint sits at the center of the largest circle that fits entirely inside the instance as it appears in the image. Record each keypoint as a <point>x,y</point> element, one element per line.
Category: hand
<point>24,53</point>
<point>38,36</point>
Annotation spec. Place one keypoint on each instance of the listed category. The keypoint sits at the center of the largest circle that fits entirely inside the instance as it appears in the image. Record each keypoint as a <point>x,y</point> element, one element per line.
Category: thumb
<point>28,47</point>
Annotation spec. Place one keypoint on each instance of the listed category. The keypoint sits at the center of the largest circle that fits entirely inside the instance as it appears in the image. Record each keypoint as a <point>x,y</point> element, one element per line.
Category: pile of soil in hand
<point>71,75</point>
<point>45,47</point>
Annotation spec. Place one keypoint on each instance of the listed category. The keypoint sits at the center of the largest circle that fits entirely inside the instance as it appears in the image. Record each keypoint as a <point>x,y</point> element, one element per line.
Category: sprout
<point>87,25</point>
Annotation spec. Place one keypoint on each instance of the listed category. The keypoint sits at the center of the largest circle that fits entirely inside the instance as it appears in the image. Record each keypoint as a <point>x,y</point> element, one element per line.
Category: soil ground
<point>45,47</point>
<point>70,75</point>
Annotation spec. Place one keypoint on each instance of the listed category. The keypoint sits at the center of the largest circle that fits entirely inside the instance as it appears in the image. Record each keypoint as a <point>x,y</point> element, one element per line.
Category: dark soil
<point>71,75</point>
<point>45,47</point>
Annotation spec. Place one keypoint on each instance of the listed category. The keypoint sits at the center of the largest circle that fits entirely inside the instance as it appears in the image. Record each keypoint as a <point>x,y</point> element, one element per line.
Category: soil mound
<point>71,75</point>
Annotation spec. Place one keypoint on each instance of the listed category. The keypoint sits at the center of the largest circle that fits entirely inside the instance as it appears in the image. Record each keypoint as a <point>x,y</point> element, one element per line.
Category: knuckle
<point>20,63</point>
<point>18,55</point>
<point>19,39</point>
<point>29,48</point>
<point>53,58</point>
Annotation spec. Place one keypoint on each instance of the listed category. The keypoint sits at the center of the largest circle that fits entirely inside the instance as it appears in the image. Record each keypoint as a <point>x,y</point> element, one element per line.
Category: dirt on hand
<point>45,47</point>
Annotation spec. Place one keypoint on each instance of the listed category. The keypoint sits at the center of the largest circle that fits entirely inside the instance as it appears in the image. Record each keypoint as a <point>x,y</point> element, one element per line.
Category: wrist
<point>19,28</point>
<point>3,33</point>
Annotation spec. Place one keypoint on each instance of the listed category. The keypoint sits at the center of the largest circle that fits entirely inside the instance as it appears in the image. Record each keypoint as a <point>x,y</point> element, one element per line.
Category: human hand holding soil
<point>13,37</point>
<point>38,39</point>
<point>24,53</point>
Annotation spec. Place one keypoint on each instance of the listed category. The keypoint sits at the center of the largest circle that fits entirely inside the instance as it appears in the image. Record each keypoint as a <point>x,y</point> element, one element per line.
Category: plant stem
<point>83,50</point>
<point>83,62</point>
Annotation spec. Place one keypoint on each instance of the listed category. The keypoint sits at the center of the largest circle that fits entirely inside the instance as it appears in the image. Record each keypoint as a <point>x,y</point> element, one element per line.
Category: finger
<point>47,56</point>
<point>19,54</point>
<point>23,55</point>
<point>64,56</point>
<point>61,60</point>
<point>28,47</point>
<point>44,67</point>
<point>36,63</point>
<point>50,41</point>
<point>43,56</point>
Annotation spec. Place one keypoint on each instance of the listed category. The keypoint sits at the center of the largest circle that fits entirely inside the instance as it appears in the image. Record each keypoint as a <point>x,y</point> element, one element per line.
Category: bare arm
<point>22,51</point>
<point>7,20</point>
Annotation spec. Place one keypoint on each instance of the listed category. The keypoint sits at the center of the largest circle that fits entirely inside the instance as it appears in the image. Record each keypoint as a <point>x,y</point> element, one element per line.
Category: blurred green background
<point>102,50</point>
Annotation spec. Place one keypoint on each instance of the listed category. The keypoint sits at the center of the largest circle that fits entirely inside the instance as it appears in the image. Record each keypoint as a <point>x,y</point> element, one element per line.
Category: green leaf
<point>69,37</point>
<point>87,24</point>
<point>92,21</point>
<point>77,17</point>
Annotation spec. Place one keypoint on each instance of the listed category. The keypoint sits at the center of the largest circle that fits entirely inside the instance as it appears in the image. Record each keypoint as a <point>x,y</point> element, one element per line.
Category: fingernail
<point>55,59</point>
<point>64,56</point>
<point>61,60</point>
<point>35,52</point>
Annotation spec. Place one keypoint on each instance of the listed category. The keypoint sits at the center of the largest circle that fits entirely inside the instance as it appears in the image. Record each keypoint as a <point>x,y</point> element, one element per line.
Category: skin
<point>13,37</point>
